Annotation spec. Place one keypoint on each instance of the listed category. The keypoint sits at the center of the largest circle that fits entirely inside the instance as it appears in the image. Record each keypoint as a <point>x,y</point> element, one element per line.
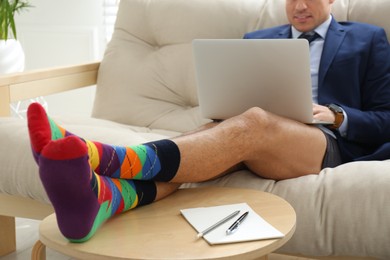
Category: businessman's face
<point>306,15</point>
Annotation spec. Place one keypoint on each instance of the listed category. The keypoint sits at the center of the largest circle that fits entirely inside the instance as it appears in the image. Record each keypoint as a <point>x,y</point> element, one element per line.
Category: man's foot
<point>83,200</point>
<point>156,161</point>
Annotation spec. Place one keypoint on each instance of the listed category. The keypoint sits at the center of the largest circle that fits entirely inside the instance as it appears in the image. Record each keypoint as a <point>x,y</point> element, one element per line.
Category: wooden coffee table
<point>159,231</point>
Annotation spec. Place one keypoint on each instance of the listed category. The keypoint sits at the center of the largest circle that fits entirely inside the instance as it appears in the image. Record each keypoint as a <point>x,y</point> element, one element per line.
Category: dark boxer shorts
<point>332,156</point>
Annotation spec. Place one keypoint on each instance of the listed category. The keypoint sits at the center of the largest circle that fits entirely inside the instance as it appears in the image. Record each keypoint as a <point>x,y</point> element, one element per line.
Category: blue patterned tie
<point>310,36</point>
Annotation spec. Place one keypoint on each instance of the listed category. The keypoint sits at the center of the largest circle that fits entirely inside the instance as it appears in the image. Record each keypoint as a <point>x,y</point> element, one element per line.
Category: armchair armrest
<point>20,86</point>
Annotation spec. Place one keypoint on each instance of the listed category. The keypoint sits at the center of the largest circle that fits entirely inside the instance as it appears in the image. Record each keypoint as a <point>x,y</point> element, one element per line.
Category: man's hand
<point>323,113</point>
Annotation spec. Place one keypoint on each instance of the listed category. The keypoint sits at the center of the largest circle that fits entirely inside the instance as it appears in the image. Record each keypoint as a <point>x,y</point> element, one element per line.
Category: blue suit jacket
<point>355,74</point>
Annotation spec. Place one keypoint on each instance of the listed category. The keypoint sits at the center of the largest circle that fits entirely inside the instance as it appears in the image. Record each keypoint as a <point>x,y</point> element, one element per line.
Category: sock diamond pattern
<point>132,162</point>
<point>89,182</point>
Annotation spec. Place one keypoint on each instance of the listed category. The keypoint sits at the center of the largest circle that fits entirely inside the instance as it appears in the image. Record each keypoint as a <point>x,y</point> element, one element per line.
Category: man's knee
<point>257,117</point>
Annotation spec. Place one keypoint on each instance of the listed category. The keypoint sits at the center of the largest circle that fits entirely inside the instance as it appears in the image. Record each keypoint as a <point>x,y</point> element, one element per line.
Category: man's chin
<point>303,24</point>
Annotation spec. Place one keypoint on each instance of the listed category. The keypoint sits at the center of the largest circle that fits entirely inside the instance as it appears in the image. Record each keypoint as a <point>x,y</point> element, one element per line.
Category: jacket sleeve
<point>371,123</point>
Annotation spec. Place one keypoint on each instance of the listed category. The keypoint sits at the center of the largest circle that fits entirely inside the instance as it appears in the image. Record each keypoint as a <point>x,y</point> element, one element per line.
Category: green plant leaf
<point>7,13</point>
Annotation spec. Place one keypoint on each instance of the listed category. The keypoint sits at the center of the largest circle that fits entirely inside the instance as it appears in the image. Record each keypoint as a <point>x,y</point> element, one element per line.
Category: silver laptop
<point>234,75</point>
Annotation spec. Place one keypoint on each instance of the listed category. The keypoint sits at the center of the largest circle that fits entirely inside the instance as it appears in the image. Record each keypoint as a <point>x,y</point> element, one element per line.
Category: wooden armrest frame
<point>20,86</point>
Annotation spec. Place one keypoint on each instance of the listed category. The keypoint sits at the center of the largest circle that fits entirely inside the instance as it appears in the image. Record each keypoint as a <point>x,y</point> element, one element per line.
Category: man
<point>350,65</point>
<point>87,182</point>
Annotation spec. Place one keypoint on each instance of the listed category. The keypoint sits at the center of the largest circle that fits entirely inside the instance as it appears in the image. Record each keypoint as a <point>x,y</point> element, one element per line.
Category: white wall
<point>59,33</point>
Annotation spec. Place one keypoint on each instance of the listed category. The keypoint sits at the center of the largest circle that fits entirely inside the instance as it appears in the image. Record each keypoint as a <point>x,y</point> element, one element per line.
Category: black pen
<point>235,225</point>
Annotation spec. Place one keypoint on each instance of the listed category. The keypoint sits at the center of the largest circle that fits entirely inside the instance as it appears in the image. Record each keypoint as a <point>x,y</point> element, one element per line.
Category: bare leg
<point>165,188</point>
<point>84,199</point>
<point>271,146</point>
<point>201,128</point>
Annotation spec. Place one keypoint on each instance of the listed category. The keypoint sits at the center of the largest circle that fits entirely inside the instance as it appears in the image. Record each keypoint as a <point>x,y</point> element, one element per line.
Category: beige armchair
<point>146,91</point>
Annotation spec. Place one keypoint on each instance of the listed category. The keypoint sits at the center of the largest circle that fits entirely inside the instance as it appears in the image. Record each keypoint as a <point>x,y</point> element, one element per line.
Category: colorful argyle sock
<point>83,200</point>
<point>156,161</point>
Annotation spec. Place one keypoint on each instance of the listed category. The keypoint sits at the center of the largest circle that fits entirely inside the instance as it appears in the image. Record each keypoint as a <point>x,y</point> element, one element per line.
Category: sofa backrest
<point>146,77</point>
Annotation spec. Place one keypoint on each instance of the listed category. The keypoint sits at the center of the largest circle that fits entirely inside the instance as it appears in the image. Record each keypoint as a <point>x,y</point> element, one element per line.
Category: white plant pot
<point>11,56</point>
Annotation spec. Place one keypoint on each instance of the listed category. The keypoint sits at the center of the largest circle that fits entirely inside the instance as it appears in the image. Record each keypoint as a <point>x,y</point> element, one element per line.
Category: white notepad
<point>253,228</point>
